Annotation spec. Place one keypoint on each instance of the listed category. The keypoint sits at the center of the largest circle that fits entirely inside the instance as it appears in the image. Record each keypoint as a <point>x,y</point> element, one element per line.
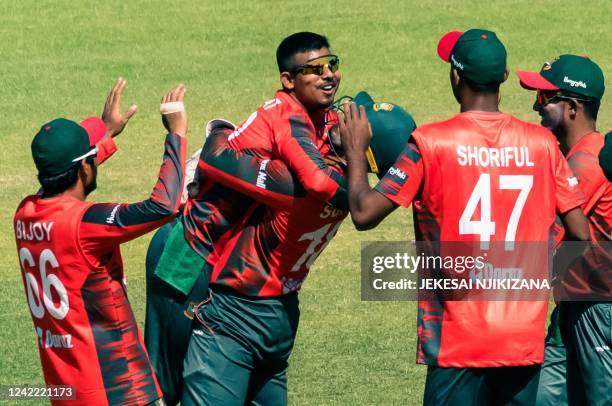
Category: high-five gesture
<point>174,116</point>
<point>112,117</point>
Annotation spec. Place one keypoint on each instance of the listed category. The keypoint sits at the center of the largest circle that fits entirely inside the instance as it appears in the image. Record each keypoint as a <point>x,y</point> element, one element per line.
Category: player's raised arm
<point>112,223</point>
<point>368,207</point>
<point>113,122</point>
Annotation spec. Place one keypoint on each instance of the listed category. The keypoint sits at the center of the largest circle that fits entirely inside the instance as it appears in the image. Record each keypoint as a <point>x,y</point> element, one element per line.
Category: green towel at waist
<point>179,265</point>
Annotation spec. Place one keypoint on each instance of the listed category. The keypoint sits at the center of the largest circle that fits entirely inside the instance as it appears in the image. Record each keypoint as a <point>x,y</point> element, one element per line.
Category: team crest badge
<point>548,65</point>
<point>382,106</point>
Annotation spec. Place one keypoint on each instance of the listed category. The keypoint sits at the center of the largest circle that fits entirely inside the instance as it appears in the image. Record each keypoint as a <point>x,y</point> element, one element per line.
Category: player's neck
<point>68,193</point>
<point>574,133</point>
<point>479,102</point>
<point>316,114</point>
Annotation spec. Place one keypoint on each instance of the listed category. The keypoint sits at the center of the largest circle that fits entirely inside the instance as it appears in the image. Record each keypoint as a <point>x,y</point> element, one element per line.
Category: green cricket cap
<point>569,73</point>
<point>391,129</point>
<point>60,143</point>
<point>476,54</point>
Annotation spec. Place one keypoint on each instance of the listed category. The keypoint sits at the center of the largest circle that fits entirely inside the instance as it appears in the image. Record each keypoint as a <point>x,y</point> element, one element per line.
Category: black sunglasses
<point>544,98</point>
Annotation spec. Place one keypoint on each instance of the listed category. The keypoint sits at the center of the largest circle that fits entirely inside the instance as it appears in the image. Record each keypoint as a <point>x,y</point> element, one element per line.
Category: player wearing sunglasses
<point>261,257</point>
<point>244,333</point>
<point>578,361</point>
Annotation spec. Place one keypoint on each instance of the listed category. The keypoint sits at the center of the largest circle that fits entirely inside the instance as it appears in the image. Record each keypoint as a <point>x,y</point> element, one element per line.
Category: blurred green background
<point>59,58</point>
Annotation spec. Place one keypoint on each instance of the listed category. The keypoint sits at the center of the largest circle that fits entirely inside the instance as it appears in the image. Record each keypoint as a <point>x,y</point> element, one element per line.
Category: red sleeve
<point>268,181</point>
<point>403,180</point>
<point>591,178</point>
<point>105,225</point>
<point>568,193</point>
<point>294,140</point>
<point>106,148</point>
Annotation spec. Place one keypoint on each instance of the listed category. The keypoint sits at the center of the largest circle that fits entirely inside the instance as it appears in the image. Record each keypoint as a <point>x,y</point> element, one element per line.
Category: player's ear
<point>287,80</point>
<point>572,109</point>
<point>85,170</point>
<point>455,78</point>
<point>506,75</point>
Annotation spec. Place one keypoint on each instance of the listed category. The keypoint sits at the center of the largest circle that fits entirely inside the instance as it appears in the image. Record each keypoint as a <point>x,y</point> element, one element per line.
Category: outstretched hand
<point>355,131</point>
<point>112,117</point>
<point>174,116</point>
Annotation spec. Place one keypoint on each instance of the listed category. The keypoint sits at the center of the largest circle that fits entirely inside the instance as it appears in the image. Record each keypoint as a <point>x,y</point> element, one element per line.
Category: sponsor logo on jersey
<point>111,219</point>
<point>397,172</point>
<point>262,176</point>
<point>575,83</point>
<point>572,181</point>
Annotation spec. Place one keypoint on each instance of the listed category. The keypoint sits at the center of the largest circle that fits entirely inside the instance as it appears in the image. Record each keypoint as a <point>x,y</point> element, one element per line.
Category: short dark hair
<point>296,43</point>
<point>591,106</point>
<point>56,184</point>
<point>482,87</point>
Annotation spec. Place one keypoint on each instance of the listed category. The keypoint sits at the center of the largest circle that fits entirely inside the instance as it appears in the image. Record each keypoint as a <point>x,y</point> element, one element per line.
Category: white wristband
<point>171,107</point>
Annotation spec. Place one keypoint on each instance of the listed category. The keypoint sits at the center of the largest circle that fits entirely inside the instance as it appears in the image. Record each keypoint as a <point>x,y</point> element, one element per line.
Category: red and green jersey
<point>281,129</point>
<point>214,211</point>
<point>266,250</point>
<point>75,286</point>
<point>591,277</point>
<point>482,177</point>
<point>273,250</point>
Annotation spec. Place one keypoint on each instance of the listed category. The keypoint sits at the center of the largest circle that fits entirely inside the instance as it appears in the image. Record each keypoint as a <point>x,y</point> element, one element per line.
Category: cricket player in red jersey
<point>239,351</point>
<point>71,263</point>
<point>579,370</point>
<point>465,186</point>
<point>214,211</point>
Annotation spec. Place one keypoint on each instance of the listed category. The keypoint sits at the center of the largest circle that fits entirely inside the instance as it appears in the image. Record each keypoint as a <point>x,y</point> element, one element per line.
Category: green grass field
<point>59,58</point>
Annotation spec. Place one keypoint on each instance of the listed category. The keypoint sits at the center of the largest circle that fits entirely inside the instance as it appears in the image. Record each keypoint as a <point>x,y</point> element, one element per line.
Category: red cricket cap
<point>95,128</point>
<point>534,81</point>
<point>447,43</point>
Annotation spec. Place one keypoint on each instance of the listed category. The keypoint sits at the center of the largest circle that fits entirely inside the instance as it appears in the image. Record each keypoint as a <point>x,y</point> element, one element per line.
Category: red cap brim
<point>96,129</point>
<point>447,43</point>
<point>534,81</point>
